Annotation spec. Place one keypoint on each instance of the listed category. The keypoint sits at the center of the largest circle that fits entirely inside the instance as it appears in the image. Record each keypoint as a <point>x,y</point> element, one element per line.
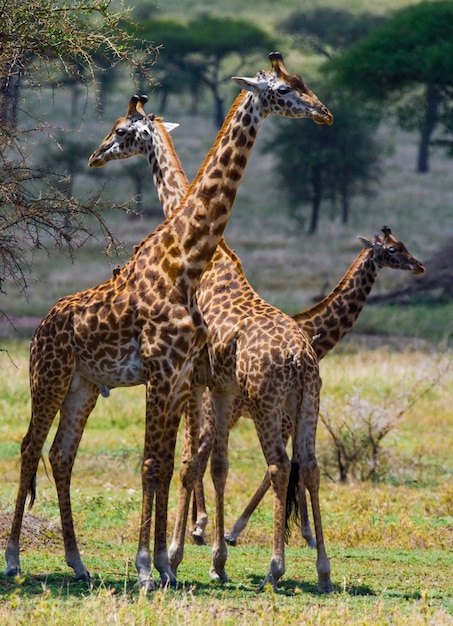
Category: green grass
<point>432,322</point>
<point>390,543</point>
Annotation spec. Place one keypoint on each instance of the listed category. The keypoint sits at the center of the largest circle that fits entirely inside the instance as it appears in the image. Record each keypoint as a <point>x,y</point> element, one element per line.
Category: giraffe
<point>328,321</point>
<point>254,350</point>
<point>143,326</point>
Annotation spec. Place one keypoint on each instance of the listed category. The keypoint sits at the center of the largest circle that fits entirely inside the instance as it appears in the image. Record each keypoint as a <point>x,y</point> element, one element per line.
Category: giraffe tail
<point>32,488</point>
<point>32,491</point>
<point>24,444</point>
<point>292,500</point>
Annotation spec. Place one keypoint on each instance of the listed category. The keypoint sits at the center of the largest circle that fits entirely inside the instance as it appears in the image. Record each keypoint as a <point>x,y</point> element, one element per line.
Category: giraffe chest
<point>112,365</point>
<point>124,343</point>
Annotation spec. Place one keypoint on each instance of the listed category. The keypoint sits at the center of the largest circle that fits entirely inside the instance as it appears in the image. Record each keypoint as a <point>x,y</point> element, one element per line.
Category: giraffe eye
<point>283,89</point>
<point>392,250</point>
<point>121,132</point>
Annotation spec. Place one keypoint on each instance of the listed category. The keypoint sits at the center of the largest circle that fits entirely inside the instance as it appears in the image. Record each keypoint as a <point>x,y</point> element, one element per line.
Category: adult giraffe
<point>143,326</point>
<point>254,350</point>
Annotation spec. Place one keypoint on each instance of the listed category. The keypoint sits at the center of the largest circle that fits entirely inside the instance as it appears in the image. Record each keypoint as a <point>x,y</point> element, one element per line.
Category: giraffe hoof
<point>267,584</point>
<point>146,585</point>
<point>168,583</point>
<point>325,586</point>
<point>13,571</point>
<point>231,542</point>
<point>219,577</point>
<point>198,539</point>
<point>84,576</point>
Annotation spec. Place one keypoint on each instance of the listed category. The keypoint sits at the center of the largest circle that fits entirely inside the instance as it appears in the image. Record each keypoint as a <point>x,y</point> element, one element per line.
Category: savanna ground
<point>390,542</point>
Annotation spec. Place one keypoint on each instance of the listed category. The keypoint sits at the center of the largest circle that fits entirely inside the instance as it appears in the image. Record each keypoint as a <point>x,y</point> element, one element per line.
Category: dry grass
<point>390,543</point>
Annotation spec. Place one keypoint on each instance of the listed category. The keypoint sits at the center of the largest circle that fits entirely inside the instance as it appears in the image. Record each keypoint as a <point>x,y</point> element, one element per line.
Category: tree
<point>413,49</point>
<point>335,163</point>
<point>44,44</point>
<point>204,52</point>
<point>328,30</point>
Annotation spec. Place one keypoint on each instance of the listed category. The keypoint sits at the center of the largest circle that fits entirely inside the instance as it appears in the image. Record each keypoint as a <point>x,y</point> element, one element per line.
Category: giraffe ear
<point>366,243</point>
<point>170,126</point>
<point>250,84</point>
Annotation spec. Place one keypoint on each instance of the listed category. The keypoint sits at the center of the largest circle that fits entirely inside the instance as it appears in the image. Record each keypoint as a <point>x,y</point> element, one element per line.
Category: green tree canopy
<point>193,55</point>
<point>329,30</point>
<point>413,48</point>
<point>334,163</point>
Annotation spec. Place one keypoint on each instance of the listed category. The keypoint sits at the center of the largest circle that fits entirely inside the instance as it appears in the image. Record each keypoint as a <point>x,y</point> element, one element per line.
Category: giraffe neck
<point>335,315</point>
<point>192,232</point>
<point>171,183</point>
<point>214,189</point>
<point>169,178</point>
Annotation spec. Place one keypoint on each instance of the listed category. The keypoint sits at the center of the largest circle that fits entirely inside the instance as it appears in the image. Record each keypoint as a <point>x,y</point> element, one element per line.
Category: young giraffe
<point>328,321</point>
<point>143,326</point>
<point>254,350</point>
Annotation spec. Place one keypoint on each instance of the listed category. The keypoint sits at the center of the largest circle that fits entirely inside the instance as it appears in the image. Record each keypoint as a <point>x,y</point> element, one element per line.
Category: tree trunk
<point>344,205</point>
<point>219,112</point>
<point>432,99</point>
<point>316,200</point>
<point>10,83</point>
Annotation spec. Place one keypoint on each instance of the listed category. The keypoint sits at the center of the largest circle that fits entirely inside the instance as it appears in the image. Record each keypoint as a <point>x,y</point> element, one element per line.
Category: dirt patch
<point>35,532</point>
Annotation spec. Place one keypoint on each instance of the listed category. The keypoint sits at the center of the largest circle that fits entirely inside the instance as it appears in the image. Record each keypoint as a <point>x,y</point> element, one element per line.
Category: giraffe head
<point>389,252</point>
<point>130,135</point>
<point>285,94</point>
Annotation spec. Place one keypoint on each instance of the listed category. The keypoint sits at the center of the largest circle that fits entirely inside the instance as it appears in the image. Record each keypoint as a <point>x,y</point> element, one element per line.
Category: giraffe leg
<point>242,521</point>
<point>311,477</point>
<point>259,494</point>
<point>162,558</point>
<point>188,473</point>
<point>163,414</point>
<point>200,520</point>
<point>31,449</point>
<point>157,405</point>
<point>305,527</point>
<point>199,512</point>
<point>204,451</point>
<point>304,454</point>
<point>74,413</point>
<point>279,467</point>
<point>47,394</point>
<point>219,472</point>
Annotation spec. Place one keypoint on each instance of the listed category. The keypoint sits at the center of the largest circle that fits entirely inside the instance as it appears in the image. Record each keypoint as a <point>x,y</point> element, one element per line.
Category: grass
<point>390,543</point>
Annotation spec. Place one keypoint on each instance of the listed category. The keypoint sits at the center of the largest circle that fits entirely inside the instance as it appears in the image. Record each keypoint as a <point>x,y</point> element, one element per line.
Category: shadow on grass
<point>61,584</point>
